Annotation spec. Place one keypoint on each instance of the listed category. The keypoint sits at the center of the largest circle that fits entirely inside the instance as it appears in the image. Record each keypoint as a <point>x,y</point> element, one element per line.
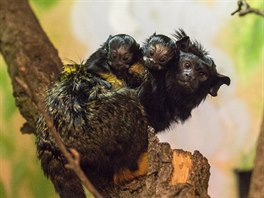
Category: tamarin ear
<point>153,35</point>
<point>109,37</point>
<point>184,43</point>
<point>219,81</point>
<point>149,38</point>
<point>105,45</point>
<point>138,46</point>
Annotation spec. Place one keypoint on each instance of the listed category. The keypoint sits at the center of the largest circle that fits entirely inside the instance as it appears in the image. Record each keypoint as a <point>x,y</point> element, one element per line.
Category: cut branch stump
<point>171,173</point>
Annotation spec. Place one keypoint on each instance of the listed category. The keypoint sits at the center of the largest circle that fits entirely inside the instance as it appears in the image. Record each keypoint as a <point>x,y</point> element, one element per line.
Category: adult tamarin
<point>108,130</point>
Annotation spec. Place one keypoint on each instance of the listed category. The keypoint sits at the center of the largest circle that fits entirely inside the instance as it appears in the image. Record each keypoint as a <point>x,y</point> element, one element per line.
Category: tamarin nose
<point>151,60</point>
<point>187,76</point>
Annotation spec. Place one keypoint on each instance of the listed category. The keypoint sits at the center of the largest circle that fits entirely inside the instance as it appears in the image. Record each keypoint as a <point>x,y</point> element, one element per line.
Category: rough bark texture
<point>23,43</point>
<point>172,173</point>
<point>257,181</point>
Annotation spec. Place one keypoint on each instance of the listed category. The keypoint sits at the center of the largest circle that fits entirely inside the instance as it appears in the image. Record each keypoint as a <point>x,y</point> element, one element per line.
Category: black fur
<point>185,44</point>
<point>176,91</point>
<point>116,56</point>
<point>108,129</point>
<point>159,51</point>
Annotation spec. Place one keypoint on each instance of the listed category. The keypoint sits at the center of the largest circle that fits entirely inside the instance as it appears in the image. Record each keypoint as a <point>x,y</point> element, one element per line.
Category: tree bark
<point>172,173</point>
<point>257,180</point>
<point>23,42</point>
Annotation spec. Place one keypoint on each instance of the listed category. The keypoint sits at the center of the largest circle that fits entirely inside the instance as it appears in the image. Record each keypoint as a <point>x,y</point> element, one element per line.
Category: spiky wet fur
<point>108,129</point>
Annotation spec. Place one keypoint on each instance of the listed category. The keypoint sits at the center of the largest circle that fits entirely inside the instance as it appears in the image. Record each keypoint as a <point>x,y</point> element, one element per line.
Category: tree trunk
<point>23,43</point>
<point>172,173</point>
<point>257,181</point>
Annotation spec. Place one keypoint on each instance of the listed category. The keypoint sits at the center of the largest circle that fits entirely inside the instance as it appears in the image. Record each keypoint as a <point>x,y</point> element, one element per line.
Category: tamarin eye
<point>113,56</point>
<point>151,52</point>
<point>162,59</point>
<point>187,65</point>
<point>203,76</point>
<point>126,57</point>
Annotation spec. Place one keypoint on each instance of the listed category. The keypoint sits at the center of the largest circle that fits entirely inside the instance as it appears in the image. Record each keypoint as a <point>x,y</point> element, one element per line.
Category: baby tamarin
<point>118,61</point>
<point>158,52</point>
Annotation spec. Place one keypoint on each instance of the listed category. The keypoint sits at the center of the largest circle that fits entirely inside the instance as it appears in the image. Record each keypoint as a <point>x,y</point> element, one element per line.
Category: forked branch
<point>244,8</point>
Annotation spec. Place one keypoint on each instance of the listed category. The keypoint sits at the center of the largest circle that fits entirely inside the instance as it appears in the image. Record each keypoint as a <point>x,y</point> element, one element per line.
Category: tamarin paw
<point>113,80</point>
<point>137,68</point>
<point>123,176</point>
<point>142,165</point>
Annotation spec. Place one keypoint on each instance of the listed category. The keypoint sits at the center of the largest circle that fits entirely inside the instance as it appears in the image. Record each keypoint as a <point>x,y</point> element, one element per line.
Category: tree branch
<point>24,43</point>
<point>257,179</point>
<point>73,156</point>
<point>244,8</point>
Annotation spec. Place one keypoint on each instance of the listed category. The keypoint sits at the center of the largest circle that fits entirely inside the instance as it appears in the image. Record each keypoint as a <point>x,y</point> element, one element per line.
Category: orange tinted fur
<point>137,68</point>
<point>127,175</point>
<point>113,80</point>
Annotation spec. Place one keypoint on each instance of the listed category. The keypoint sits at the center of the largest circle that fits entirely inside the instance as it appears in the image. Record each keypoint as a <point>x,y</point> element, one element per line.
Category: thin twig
<point>244,8</point>
<point>252,10</point>
<point>73,157</point>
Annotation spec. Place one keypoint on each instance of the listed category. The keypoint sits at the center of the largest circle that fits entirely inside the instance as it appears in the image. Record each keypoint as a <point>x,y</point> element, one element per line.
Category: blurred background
<point>224,129</point>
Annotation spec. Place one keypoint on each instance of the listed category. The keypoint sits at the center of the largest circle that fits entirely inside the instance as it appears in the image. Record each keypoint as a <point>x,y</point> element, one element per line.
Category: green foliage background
<point>44,4</point>
<point>248,48</point>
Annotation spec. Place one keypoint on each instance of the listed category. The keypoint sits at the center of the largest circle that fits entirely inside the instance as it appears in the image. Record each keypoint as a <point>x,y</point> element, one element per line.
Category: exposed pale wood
<point>182,164</point>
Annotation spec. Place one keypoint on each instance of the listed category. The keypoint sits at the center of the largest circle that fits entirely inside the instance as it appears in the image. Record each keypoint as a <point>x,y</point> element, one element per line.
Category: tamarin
<point>158,52</point>
<point>118,61</point>
<point>107,127</point>
<point>109,130</point>
<point>171,96</point>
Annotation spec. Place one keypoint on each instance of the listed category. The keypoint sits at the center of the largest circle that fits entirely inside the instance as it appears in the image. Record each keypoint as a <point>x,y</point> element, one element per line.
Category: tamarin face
<point>122,50</point>
<point>196,71</point>
<point>158,50</point>
<point>193,71</point>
